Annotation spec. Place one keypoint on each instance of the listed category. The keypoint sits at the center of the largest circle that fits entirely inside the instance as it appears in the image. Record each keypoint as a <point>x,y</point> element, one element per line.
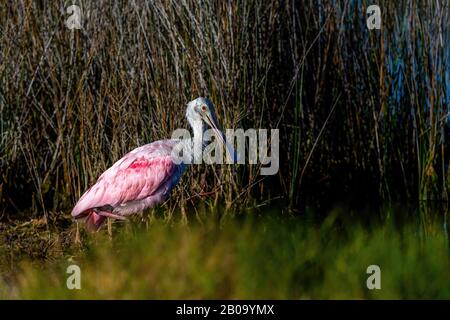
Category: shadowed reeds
<point>359,111</point>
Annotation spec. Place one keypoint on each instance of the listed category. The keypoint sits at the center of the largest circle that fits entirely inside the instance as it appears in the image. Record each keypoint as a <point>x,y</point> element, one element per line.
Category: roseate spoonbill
<point>145,176</point>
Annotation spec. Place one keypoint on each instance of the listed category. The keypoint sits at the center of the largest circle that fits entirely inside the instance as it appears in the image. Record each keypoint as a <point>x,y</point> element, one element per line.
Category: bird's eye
<point>204,108</point>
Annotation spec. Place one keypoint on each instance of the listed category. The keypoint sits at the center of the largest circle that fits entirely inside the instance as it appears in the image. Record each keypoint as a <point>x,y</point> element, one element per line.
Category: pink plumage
<point>140,179</point>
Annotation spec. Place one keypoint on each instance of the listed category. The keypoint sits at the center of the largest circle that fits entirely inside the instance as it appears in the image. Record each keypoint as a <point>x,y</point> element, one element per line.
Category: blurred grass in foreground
<point>244,256</point>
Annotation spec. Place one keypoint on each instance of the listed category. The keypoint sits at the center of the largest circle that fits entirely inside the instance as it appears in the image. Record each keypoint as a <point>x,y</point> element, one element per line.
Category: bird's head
<point>202,110</point>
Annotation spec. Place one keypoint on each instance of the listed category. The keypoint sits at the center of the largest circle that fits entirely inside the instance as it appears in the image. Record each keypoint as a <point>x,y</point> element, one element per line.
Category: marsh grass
<point>72,103</point>
<point>265,255</point>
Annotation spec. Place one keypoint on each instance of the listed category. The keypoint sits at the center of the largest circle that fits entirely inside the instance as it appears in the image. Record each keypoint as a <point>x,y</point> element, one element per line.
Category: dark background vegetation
<point>362,114</point>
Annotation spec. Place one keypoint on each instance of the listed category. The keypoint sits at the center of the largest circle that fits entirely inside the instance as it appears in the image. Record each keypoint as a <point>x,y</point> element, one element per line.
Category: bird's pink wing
<point>134,177</point>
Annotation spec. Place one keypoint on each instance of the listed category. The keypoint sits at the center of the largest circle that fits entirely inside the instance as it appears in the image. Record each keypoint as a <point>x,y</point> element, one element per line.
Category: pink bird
<point>145,176</point>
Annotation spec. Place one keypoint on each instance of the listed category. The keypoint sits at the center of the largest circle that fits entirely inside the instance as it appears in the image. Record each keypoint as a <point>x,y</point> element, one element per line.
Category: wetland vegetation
<point>364,120</point>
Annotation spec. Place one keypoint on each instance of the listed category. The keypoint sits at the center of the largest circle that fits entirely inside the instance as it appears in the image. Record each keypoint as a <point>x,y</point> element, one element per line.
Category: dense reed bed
<point>359,111</point>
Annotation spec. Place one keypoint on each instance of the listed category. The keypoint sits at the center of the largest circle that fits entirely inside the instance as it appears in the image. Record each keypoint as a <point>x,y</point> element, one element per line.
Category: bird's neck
<point>198,127</point>
<point>198,141</point>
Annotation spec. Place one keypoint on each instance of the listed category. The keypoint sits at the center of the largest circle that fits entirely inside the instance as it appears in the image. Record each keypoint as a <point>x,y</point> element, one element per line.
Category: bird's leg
<point>144,218</point>
<point>183,215</point>
<point>77,234</point>
<point>110,228</point>
<point>150,217</point>
<point>107,211</point>
<point>111,215</point>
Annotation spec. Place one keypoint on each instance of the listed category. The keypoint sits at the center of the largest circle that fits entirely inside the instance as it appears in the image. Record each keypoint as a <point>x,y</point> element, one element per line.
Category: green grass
<point>251,256</point>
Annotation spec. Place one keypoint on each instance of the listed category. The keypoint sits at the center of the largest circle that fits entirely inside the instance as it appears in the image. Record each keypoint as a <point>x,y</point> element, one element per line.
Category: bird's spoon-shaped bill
<point>231,153</point>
